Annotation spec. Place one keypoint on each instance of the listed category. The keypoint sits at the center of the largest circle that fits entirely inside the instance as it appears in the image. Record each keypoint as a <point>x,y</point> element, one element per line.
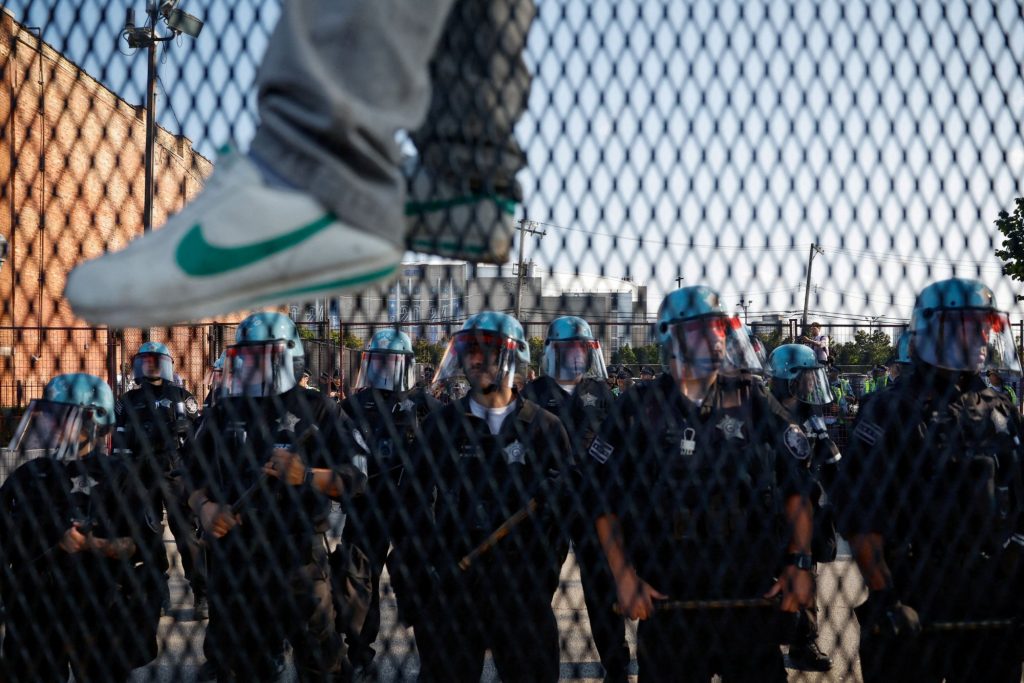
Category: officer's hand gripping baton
<point>517,518</point>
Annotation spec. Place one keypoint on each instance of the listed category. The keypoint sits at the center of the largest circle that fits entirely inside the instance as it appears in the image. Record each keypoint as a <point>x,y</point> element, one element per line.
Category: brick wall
<point>71,184</point>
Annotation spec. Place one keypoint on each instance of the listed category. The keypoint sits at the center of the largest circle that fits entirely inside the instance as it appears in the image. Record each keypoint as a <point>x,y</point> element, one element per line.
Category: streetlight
<point>178,21</point>
<point>745,305</point>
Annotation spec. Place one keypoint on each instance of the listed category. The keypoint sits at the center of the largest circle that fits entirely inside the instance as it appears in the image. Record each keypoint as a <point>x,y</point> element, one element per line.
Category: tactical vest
<point>712,499</point>
<point>972,467</point>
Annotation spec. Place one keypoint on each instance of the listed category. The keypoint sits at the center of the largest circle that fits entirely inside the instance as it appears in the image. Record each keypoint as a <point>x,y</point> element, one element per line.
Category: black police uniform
<point>153,423</point>
<point>699,491</point>
<point>269,577</point>
<point>503,601</point>
<point>823,466</point>
<point>937,471</point>
<point>96,614</point>
<point>582,411</point>
<point>390,422</point>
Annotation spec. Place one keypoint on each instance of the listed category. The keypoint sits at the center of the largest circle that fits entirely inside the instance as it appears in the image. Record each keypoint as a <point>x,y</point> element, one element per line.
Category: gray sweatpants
<point>341,77</point>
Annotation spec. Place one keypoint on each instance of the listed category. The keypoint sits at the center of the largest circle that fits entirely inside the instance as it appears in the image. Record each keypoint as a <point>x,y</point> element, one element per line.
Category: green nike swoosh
<point>197,257</point>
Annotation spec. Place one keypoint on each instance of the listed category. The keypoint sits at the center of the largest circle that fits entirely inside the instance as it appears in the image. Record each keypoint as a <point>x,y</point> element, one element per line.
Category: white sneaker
<point>240,244</point>
<point>458,222</point>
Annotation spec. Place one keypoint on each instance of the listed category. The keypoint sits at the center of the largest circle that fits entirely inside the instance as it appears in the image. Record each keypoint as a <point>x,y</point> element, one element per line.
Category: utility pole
<point>533,228</point>
<point>137,37</point>
<point>815,249</point>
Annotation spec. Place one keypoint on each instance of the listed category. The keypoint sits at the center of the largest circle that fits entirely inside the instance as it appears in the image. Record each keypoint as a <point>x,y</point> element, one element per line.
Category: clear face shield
<point>967,340</point>
<point>386,370</point>
<point>261,369</point>
<point>574,360</point>
<point>152,366</point>
<point>482,359</point>
<point>50,429</point>
<point>812,386</point>
<point>704,346</point>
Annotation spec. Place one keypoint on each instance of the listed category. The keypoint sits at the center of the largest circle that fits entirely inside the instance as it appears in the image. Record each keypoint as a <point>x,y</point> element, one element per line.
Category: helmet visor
<point>481,358</point>
<point>260,369</point>
<point>966,340</point>
<point>812,386</point>
<point>49,429</point>
<point>573,360</point>
<point>153,366</point>
<point>385,370</point>
<point>759,350</point>
<point>702,346</point>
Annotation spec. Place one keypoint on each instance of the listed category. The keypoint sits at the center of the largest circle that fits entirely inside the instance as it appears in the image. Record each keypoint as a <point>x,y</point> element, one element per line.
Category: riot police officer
<point>388,410</point>
<point>214,380</point>
<point>932,502</point>
<point>488,456</point>
<point>266,463</point>
<point>800,383</point>
<point>573,385</point>
<point>704,468</point>
<point>153,423</point>
<point>82,589</point>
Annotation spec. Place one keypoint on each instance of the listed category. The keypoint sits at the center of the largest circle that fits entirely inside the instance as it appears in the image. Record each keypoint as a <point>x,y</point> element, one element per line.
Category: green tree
<point>427,353</point>
<point>536,350</point>
<point>624,356</point>
<point>773,338</point>
<point>865,349</point>
<point>350,341</point>
<point>1012,251</point>
<point>648,355</point>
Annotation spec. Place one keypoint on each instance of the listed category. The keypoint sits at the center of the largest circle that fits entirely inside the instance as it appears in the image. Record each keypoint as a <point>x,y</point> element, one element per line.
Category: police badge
<point>797,443</point>
<point>515,453</point>
<point>732,427</point>
<point>83,484</point>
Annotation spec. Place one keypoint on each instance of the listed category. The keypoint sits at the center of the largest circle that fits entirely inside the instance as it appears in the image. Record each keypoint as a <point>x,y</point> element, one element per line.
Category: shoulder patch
<point>191,406</point>
<point>796,442</point>
<point>868,432</point>
<point>601,450</point>
<point>118,407</point>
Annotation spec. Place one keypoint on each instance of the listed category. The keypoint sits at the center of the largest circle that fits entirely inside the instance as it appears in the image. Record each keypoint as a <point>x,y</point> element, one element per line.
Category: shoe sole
<point>431,227</point>
<point>280,292</point>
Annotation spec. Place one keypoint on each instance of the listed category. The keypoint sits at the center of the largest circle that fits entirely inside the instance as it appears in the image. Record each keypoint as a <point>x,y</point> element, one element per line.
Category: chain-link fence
<point>508,340</point>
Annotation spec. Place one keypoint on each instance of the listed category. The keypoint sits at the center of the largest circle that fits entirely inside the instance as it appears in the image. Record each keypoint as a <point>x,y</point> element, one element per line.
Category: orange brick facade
<point>71,183</point>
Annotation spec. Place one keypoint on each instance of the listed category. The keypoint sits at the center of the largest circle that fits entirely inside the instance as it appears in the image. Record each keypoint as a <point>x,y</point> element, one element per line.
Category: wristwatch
<point>800,561</point>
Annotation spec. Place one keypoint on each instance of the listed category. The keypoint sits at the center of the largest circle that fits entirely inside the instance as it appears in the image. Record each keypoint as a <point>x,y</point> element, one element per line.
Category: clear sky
<point>710,140</point>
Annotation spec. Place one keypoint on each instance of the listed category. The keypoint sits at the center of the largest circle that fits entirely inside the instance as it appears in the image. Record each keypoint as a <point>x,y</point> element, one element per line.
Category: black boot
<point>808,656</point>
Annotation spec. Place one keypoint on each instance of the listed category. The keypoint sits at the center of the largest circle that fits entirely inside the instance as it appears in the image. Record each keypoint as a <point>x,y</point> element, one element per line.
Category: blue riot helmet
<point>75,409</point>
<point>571,353</point>
<point>795,371</point>
<point>487,352</point>
<point>267,357</point>
<point>698,339</point>
<point>956,326</point>
<point>387,363</point>
<point>152,363</point>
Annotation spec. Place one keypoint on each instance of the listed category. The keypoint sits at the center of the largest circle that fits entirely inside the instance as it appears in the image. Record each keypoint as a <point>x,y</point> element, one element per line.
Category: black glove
<point>883,615</point>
